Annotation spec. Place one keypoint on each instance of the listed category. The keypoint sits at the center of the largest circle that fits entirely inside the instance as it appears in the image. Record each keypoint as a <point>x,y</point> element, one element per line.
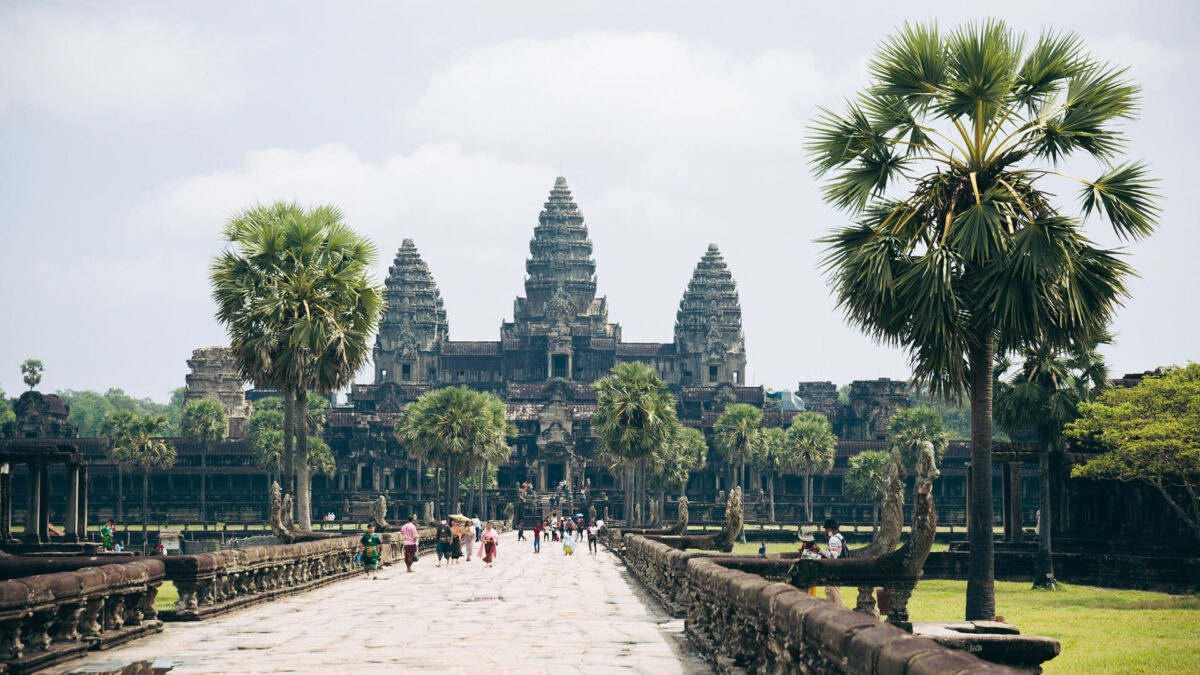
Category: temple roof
<point>561,271</point>
<point>710,309</point>
<point>414,304</point>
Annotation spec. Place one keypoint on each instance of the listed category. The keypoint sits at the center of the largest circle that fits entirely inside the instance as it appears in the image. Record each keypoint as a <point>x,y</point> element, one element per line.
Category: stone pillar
<point>5,503</point>
<point>1013,498</point>
<point>71,515</point>
<point>33,504</point>
<point>44,503</point>
<point>81,517</point>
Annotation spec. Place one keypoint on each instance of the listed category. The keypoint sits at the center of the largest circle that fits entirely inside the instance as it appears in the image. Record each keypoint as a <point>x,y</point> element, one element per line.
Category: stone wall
<point>745,623</point>
<point>1152,573</point>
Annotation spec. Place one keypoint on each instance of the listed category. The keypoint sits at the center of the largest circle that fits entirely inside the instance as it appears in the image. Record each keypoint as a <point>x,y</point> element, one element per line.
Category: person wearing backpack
<point>836,549</point>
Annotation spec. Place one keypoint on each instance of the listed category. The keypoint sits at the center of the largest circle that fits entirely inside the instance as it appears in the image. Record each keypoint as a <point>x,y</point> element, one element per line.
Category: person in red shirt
<point>537,537</point>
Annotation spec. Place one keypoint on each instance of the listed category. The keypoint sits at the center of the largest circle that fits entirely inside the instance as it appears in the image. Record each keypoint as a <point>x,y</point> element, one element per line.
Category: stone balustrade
<point>214,583</point>
<point>49,618</point>
<point>746,623</point>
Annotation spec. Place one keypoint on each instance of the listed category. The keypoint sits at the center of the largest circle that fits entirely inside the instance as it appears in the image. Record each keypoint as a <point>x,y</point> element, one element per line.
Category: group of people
<point>560,529</point>
<point>458,536</point>
<point>809,550</point>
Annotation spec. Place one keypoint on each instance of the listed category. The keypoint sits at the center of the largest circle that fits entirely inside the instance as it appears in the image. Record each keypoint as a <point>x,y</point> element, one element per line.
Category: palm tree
<point>976,259</point>
<point>137,447</point>
<point>1042,397</point>
<point>735,433</point>
<point>204,421</point>
<point>771,454</point>
<point>635,417</point>
<point>299,306</point>
<point>812,447</point>
<point>674,462</point>
<point>456,426</point>
<point>866,481</point>
<point>31,372</point>
<point>114,428</point>
<point>910,428</point>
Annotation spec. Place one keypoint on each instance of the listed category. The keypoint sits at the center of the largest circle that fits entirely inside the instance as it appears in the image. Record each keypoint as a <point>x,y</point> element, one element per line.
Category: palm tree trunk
<point>120,495</point>
<point>662,503</point>
<point>303,484</point>
<point>203,478</point>
<point>437,488</point>
<point>808,483</point>
<point>1043,574</point>
<point>981,570</point>
<point>451,485</point>
<point>145,498</point>
<point>628,480</point>
<point>420,476</point>
<point>771,503</point>
<point>289,430</point>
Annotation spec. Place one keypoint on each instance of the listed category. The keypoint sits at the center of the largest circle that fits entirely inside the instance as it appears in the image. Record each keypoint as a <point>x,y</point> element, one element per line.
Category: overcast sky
<point>130,131</point>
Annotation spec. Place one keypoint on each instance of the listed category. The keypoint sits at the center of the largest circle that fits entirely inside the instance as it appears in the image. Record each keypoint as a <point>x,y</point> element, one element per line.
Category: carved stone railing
<point>214,583</point>
<point>50,618</point>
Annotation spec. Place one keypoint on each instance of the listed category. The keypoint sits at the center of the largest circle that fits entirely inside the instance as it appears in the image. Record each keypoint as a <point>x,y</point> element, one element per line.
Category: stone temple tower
<point>708,326</point>
<point>414,324</point>
<point>560,265</point>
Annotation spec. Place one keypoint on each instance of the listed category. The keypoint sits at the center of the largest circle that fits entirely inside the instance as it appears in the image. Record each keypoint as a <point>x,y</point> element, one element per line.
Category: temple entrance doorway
<point>559,367</point>
<point>554,474</point>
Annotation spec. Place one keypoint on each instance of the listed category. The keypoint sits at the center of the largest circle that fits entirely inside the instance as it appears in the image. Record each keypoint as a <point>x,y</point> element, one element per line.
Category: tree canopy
<point>31,372</point>
<point>910,428</point>
<point>866,481</point>
<point>1152,436</point>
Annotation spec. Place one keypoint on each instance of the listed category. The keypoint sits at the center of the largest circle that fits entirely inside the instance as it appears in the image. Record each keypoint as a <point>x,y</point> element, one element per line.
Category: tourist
<point>599,523</point>
<point>117,547</point>
<point>468,538</point>
<point>520,531</point>
<point>580,526</point>
<point>444,536</point>
<point>456,532</point>
<point>762,550</point>
<point>809,551</point>
<point>411,536</point>
<point>490,539</point>
<point>593,535</point>
<point>537,537</point>
<point>834,550</point>
<point>368,551</point>
<point>568,544</point>
<point>106,534</point>
<point>478,526</point>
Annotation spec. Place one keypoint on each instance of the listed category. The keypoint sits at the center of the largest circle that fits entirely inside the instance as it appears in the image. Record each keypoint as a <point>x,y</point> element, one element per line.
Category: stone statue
<point>427,513</point>
<point>275,515</point>
<point>510,514</point>
<point>681,524</point>
<point>377,515</point>
<point>654,514</point>
<point>721,540</point>
<point>592,513</point>
<point>288,508</point>
<point>897,571</point>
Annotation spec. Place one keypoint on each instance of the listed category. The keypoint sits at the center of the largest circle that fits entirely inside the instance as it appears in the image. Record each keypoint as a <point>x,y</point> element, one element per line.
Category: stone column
<point>33,504</point>
<point>1014,498</point>
<point>71,515</point>
<point>44,503</point>
<point>81,517</point>
<point>5,503</point>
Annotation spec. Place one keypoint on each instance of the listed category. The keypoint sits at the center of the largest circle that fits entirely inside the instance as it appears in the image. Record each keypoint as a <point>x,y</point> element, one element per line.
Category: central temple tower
<point>560,328</point>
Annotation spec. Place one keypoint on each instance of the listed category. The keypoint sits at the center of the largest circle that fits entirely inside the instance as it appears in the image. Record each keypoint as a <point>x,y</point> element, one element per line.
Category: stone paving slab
<point>545,613</point>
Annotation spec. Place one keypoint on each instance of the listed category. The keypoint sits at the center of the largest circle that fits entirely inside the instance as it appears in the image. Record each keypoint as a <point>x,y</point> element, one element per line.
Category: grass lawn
<point>791,547</point>
<point>167,595</point>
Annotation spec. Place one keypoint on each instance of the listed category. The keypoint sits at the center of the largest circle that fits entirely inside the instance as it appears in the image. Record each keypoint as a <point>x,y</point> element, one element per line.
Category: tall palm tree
<point>946,161</point>
<point>635,417</point>
<point>674,462</point>
<point>735,433</point>
<point>866,481</point>
<point>137,447</point>
<point>299,304</point>
<point>114,429</point>
<point>812,447</point>
<point>1042,397</point>
<point>910,428</point>
<point>204,421</point>
<point>772,454</point>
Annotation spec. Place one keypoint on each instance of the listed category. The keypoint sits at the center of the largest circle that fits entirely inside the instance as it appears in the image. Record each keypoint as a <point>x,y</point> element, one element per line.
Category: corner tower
<point>414,324</point>
<point>708,326</point>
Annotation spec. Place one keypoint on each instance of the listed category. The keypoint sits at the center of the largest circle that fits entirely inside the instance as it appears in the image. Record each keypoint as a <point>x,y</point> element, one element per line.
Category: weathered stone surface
<point>215,376</point>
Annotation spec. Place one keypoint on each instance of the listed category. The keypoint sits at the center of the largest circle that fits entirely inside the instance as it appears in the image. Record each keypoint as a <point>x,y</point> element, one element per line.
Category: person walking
<point>478,526</point>
<point>593,535</point>
<point>411,537</point>
<point>520,531</point>
<point>468,538</point>
<point>443,543</point>
<point>368,551</point>
<point>456,532</point>
<point>106,534</point>
<point>490,540</point>
<point>537,537</point>
<point>834,550</point>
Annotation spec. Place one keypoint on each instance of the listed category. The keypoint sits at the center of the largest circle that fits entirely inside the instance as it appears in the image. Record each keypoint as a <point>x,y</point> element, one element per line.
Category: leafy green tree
<point>136,446</point>
<point>174,408</point>
<point>1041,398</point>
<point>6,412</point>
<point>265,438</point>
<point>812,447</point>
<point>910,428</point>
<point>1152,433</point>
<point>204,421</point>
<point>31,372</point>
<point>295,294</point>
<point>635,418</point>
<point>735,432</point>
<point>451,426</point>
<point>772,454</point>
<point>974,257</point>
<point>674,462</point>
<point>866,481</point>
<point>115,428</point>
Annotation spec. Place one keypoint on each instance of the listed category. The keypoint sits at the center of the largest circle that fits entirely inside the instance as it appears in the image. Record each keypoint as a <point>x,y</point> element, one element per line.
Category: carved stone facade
<point>215,375</point>
<point>414,326</point>
<point>39,415</point>
<point>865,415</point>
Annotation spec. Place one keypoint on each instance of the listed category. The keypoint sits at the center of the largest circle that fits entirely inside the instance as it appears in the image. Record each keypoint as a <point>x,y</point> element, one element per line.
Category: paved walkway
<point>545,613</point>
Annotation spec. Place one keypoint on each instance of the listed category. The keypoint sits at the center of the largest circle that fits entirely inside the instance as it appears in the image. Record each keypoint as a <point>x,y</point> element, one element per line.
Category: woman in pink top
<point>490,538</point>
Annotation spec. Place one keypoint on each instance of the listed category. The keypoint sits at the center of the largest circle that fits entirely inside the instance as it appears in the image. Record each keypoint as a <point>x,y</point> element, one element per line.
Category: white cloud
<point>75,66</point>
<point>647,93</point>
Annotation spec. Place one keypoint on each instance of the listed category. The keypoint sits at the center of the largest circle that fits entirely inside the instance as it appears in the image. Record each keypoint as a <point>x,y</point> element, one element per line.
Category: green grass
<point>791,547</point>
<point>167,595</point>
